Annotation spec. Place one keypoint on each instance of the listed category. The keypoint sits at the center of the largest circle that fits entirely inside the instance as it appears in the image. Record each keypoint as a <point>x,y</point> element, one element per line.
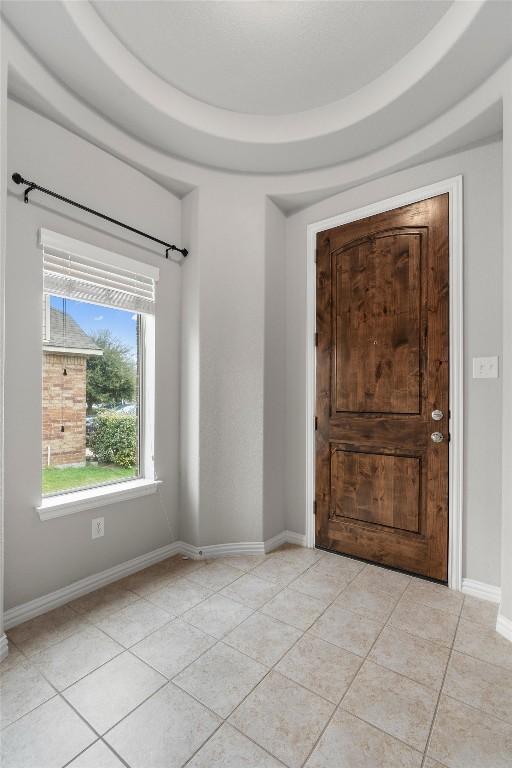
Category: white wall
<point>190,375</point>
<point>274,450</point>
<point>481,168</point>
<point>506,565</point>
<point>232,275</point>
<point>43,556</point>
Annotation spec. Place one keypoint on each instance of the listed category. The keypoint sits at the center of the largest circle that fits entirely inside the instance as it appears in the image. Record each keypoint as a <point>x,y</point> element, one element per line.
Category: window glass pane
<point>91,395</point>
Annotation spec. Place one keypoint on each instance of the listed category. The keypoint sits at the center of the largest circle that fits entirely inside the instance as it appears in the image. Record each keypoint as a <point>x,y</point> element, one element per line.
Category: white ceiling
<point>270,57</point>
<point>263,87</point>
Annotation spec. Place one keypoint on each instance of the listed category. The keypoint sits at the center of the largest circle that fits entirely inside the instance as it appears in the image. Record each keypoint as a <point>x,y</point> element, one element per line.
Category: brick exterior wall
<point>64,404</point>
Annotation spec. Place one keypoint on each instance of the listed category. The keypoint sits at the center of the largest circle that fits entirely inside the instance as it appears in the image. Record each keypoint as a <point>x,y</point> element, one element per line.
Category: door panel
<point>376,488</point>
<point>382,368</point>
<point>377,300</point>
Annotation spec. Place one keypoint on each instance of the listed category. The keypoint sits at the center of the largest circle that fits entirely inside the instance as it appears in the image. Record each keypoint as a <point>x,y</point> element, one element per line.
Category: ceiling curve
<point>266,87</point>
<point>270,57</point>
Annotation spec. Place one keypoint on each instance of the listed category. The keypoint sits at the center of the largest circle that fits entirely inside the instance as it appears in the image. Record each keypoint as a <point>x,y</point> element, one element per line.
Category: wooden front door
<point>381,381</point>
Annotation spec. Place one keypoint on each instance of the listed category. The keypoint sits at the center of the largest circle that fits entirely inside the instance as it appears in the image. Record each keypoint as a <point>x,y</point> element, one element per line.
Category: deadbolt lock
<point>437,415</point>
<point>436,437</point>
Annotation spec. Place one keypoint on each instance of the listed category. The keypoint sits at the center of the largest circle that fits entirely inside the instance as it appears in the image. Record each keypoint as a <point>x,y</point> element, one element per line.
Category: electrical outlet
<point>98,527</point>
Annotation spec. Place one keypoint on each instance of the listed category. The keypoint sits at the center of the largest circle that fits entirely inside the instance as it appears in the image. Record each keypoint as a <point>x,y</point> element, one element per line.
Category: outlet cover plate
<point>98,527</point>
<point>485,367</point>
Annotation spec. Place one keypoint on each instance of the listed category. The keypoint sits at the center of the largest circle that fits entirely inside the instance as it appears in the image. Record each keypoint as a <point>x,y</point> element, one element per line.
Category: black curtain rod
<point>31,186</point>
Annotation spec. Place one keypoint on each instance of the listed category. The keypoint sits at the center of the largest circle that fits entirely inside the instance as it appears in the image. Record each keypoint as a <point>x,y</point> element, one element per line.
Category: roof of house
<point>65,333</point>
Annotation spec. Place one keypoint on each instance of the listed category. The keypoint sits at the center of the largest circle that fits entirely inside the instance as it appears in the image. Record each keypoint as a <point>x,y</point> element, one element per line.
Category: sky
<point>93,318</point>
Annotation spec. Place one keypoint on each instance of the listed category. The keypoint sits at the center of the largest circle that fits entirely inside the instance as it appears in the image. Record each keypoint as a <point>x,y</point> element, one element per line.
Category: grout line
<point>436,710</point>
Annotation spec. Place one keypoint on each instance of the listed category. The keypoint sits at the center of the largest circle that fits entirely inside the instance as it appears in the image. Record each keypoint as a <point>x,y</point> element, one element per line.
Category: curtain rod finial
<point>17,178</point>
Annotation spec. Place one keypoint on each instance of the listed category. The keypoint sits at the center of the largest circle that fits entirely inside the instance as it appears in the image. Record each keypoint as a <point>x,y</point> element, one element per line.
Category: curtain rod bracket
<point>31,185</point>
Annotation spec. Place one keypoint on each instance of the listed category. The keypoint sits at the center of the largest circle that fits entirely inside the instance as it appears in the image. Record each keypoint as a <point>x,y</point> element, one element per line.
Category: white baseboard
<point>504,626</point>
<point>236,548</point>
<point>4,647</point>
<point>481,590</point>
<point>285,537</point>
<point>45,603</point>
<point>39,605</point>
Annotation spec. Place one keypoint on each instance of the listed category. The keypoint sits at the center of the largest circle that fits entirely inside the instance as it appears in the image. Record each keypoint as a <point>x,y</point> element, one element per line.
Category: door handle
<point>436,437</point>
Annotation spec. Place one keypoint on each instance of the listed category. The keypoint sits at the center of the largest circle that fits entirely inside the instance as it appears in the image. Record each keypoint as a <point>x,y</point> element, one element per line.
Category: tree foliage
<point>111,376</point>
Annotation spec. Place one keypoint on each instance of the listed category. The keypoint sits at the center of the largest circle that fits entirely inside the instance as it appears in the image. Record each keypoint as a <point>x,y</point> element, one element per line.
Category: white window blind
<point>85,272</point>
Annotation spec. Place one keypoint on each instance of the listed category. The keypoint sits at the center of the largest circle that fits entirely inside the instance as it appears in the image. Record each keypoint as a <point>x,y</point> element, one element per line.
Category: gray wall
<point>44,556</point>
<point>481,168</point>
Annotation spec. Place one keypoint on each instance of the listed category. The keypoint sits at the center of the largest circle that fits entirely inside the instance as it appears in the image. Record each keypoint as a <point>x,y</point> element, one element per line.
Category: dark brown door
<point>382,373</point>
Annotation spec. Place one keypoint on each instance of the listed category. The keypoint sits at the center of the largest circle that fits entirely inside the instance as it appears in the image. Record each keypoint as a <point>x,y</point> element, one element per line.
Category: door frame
<point>452,186</point>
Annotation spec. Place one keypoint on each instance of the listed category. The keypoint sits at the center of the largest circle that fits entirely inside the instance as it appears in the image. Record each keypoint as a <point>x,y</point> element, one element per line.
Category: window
<point>98,364</point>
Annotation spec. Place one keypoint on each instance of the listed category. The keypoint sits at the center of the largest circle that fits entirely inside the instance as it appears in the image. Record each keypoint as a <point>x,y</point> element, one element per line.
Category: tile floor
<point>298,658</point>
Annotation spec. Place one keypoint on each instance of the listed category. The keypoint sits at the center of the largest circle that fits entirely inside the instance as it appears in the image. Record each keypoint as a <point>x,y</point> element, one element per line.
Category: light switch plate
<point>485,367</point>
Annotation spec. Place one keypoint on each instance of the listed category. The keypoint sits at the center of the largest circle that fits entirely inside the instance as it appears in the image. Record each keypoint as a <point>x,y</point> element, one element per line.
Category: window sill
<point>78,501</point>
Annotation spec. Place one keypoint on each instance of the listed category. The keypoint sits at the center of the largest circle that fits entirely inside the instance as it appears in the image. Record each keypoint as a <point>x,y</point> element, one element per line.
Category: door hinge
<point>316,255</point>
<point>316,423</point>
<point>316,339</point>
<point>314,507</point>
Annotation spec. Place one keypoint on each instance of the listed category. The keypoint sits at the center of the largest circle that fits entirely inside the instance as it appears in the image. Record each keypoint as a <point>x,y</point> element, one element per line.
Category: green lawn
<point>55,480</point>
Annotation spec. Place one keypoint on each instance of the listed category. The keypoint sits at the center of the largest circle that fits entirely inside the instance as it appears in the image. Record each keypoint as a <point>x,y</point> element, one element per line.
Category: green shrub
<point>114,439</point>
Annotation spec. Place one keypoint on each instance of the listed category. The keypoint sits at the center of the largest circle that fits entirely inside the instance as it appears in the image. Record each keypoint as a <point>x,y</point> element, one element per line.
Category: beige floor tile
<point>346,629</point>
<point>215,575</point>
<point>294,608</point>
<point>179,596</point>
<point>429,763</point>
<point>173,647</point>
<point>144,583</point>
<point>107,695</point>
<point>283,718</point>
<point>221,678</point>
<point>322,586</point>
<point>129,625</point>
<point>374,604</point>
<point>263,638</point>
<point>244,562</point>
<point>230,749</point>
<point>480,685</point>
<point>52,627</point>
<point>383,579</point>
<point>22,689</point>
<point>164,732</point>
<point>395,704</point>
<point>185,565</point>
<point>66,662</point>
<point>97,756</point>
<point>483,643</point>
<point>350,743</point>
<point>435,595</point>
<point>278,570</point>
<point>480,611</point>
<point>48,737</point>
<point>419,659</point>
<point>103,602</point>
<point>301,557</point>
<point>343,568</point>
<point>463,737</point>
<point>251,591</point>
<point>323,668</point>
<point>217,615</point>
<point>13,658</point>
<point>424,621</point>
